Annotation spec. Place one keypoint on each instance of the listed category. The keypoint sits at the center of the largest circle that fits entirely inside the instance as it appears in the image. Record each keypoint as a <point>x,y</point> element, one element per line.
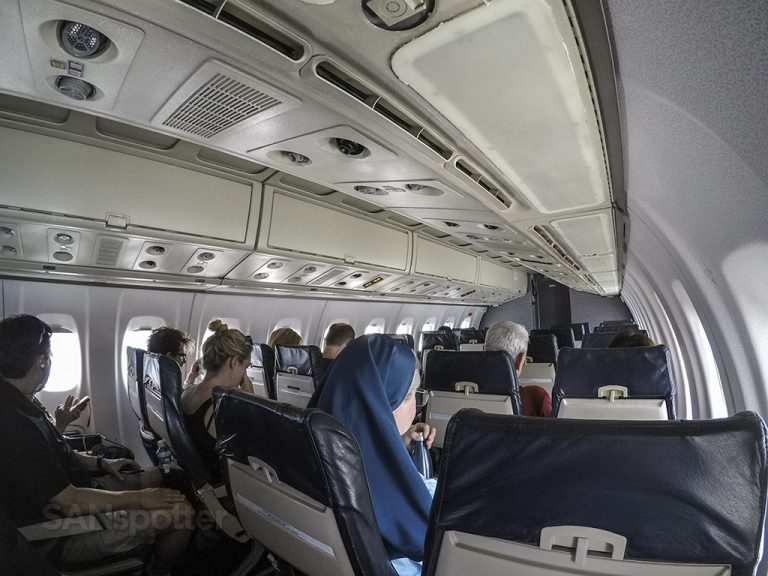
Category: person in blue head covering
<point>370,388</point>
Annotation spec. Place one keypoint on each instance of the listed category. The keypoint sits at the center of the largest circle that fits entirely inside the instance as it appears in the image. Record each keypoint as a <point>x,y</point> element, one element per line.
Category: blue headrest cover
<point>645,371</point>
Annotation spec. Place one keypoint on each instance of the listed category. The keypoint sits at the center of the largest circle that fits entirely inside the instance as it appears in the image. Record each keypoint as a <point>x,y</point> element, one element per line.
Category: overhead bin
<point>292,225</point>
<point>59,176</point>
<point>492,274</point>
<point>434,259</point>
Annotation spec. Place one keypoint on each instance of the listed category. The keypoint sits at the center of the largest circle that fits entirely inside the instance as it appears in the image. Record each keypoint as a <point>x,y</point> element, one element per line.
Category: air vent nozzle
<point>75,88</point>
<point>81,41</point>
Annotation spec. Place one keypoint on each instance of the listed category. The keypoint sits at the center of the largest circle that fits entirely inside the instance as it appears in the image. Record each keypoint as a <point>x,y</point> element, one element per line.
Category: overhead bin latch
<point>613,393</point>
<point>349,258</point>
<point>117,221</point>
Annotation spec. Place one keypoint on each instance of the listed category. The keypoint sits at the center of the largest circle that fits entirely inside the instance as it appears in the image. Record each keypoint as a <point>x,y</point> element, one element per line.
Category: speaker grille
<point>108,249</point>
<point>217,105</point>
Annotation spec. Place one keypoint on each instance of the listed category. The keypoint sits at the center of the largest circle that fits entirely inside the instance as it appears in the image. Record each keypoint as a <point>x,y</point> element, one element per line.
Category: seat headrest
<point>492,371</point>
<point>167,373</point>
<point>618,328</point>
<point>301,360</point>
<point>682,491</point>
<point>438,340</point>
<point>563,334</point>
<point>312,452</point>
<point>542,348</point>
<point>645,371</point>
<point>579,329</point>
<point>406,339</point>
<point>469,336</point>
<point>135,382</point>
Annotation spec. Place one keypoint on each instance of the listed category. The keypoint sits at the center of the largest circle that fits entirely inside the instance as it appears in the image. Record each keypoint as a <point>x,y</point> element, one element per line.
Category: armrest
<point>59,527</point>
<point>226,521</point>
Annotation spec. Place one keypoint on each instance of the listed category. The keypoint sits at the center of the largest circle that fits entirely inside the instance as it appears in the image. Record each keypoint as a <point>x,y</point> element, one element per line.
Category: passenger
<point>43,477</point>
<point>226,357</point>
<point>371,390</point>
<point>177,345</point>
<point>284,337</point>
<point>338,336</point>
<point>513,338</point>
<point>631,339</point>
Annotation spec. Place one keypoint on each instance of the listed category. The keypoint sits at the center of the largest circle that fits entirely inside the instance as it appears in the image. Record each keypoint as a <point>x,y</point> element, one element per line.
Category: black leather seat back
<point>563,334</point>
<point>469,336</point>
<point>298,369</point>
<point>406,339</point>
<point>644,371</point>
<point>17,556</point>
<point>542,348</point>
<point>262,371</point>
<point>493,372</point>
<point>683,492</point>
<point>163,387</point>
<point>301,469</point>
<point>135,377</point>
<point>580,329</point>
<point>603,339</point>
<point>618,328</point>
<point>437,340</point>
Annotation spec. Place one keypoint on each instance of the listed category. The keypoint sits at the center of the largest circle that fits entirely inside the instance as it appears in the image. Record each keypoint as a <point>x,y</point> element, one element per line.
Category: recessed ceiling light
<point>260,276</point>
<point>195,269</point>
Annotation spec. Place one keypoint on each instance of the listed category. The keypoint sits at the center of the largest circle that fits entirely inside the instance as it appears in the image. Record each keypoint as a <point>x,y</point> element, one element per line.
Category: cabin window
<point>66,360</point>
<point>375,326</point>
<point>405,327</point>
<point>66,363</point>
<point>467,322</point>
<point>713,387</point>
<point>451,322</point>
<point>429,325</point>
<point>294,324</point>
<point>136,336</point>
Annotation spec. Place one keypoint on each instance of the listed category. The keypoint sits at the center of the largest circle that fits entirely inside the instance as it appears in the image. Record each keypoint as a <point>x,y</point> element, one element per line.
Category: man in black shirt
<point>42,476</point>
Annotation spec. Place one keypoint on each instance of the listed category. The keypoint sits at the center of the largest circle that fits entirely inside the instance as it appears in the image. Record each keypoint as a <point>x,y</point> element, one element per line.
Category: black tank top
<point>197,426</point>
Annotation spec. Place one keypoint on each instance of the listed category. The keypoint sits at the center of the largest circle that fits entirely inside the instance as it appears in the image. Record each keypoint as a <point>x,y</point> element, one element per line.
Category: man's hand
<point>158,498</point>
<point>112,467</point>
<point>414,433</point>
<point>70,411</point>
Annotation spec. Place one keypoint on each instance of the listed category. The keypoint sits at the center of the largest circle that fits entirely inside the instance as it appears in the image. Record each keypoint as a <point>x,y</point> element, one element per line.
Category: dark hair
<point>165,340</point>
<point>339,334</point>
<point>445,329</point>
<point>22,339</point>
<point>631,339</point>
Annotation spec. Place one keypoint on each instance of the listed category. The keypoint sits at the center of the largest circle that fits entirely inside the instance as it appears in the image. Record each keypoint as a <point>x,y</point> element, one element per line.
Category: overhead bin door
<point>435,259</point>
<point>300,226</point>
<point>64,177</point>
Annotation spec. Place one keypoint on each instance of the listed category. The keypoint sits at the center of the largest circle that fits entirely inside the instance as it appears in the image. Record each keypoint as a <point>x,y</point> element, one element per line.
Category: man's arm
<point>75,501</point>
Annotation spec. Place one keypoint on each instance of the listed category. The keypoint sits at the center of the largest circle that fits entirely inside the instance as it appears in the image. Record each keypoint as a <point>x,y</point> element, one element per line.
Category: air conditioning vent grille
<point>556,247</point>
<point>108,249</point>
<point>465,168</point>
<point>381,106</point>
<point>217,105</point>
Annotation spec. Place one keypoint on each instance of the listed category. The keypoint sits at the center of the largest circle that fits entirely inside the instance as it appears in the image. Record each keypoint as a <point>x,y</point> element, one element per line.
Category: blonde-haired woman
<point>284,337</point>
<point>226,357</point>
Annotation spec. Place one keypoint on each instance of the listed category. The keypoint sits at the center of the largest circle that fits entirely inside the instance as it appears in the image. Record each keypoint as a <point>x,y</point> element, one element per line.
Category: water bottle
<point>164,456</point>
<point>421,457</point>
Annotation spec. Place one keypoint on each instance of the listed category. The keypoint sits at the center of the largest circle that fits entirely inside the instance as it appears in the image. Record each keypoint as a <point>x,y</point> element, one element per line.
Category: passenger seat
<point>298,372</point>
<point>262,371</point>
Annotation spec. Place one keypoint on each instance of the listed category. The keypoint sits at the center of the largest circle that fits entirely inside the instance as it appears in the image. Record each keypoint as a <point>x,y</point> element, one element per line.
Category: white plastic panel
<point>587,235</point>
<point>527,107</point>
<point>435,259</point>
<point>92,182</point>
<point>312,229</point>
<point>501,277</point>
